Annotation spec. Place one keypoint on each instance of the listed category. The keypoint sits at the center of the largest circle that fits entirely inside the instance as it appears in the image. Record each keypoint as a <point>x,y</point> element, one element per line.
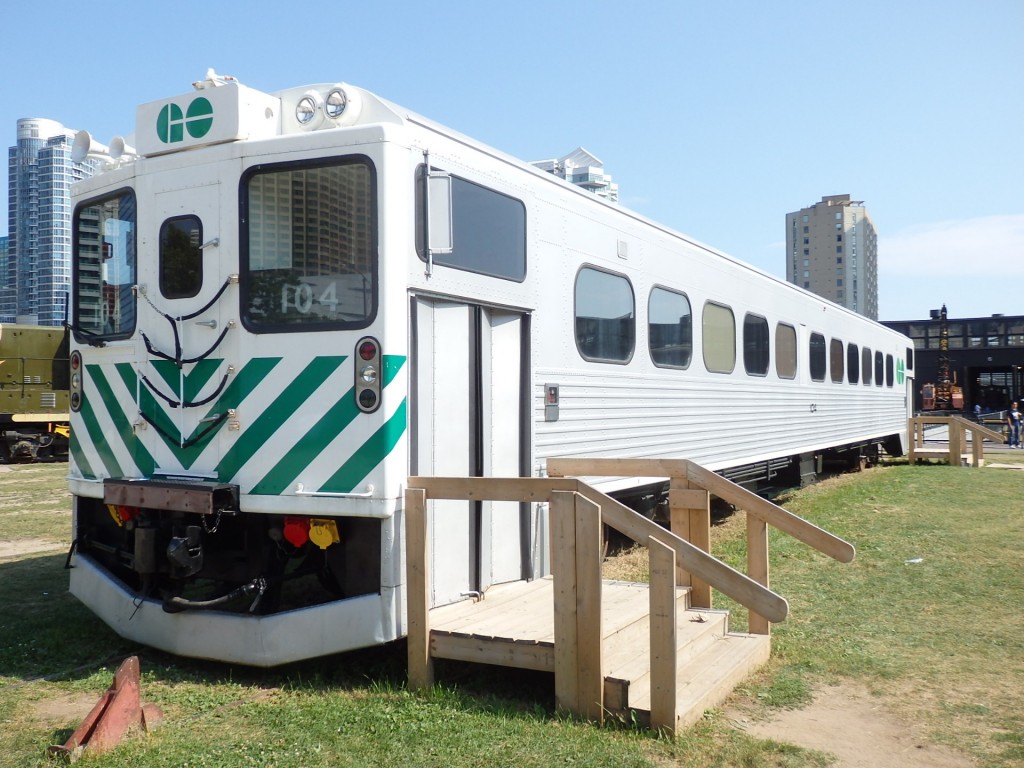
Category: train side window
<point>181,257</point>
<point>605,316</point>
<point>488,231</point>
<point>835,354</point>
<point>104,267</point>
<point>879,369</point>
<point>718,338</point>
<point>910,358</point>
<point>785,351</point>
<point>669,328</point>
<point>852,363</point>
<point>890,376</point>
<point>756,350</point>
<point>865,364</point>
<point>816,354</point>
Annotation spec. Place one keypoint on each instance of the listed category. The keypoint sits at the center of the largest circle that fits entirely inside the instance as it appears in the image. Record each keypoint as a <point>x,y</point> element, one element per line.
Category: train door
<point>469,418</point>
<point>185,369</point>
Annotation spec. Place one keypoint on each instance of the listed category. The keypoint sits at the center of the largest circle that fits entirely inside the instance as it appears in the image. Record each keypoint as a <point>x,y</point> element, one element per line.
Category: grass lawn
<point>928,617</point>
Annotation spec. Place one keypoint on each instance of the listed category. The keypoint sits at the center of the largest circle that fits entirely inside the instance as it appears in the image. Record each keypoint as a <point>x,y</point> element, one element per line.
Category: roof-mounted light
<point>335,103</point>
<point>309,110</point>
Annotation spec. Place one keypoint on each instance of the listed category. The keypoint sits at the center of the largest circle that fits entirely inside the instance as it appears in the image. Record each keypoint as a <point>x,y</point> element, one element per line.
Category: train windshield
<point>309,246</point>
<point>105,267</point>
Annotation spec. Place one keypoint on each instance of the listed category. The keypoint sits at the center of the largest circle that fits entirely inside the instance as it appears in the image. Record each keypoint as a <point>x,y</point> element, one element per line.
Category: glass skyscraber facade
<point>36,274</point>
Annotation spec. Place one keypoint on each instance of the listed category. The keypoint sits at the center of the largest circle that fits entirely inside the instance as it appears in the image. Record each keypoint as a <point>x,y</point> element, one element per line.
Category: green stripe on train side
<point>93,428</point>
<point>276,415</point>
<point>84,468</point>
<point>320,435</point>
<point>142,458</point>
<point>369,455</point>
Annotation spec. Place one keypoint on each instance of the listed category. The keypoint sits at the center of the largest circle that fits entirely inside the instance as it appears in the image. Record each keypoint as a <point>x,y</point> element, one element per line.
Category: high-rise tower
<point>832,250</point>
<point>38,265</point>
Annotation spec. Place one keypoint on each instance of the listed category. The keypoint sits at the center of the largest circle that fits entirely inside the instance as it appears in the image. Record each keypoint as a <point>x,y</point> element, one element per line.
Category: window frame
<point>586,267</point>
<point>650,347</point>
<point>244,255</point>
<point>161,263</point>
<point>762,355</point>
<point>704,336</point>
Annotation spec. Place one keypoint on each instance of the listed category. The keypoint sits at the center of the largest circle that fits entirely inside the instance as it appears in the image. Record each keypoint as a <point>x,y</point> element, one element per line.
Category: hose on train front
<point>256,587</point>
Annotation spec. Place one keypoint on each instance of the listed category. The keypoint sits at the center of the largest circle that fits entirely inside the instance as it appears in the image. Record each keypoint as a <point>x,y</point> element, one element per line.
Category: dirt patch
<point>856,727</point>
<point>70,708</point>
<point>22,547</point>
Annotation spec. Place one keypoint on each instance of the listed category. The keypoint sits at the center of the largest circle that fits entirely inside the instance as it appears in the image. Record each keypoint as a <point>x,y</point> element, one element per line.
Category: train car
<point>34,378</point>
<point>285,304</point>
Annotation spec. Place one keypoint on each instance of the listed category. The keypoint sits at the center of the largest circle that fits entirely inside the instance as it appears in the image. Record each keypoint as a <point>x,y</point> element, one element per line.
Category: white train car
<point>285,304</point>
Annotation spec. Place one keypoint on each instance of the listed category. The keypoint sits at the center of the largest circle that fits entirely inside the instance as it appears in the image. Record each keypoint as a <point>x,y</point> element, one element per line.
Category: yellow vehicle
<point>34,378</point>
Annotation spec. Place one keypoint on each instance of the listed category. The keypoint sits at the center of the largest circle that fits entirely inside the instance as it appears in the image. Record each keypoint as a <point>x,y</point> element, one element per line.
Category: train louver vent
<point>48,400</point>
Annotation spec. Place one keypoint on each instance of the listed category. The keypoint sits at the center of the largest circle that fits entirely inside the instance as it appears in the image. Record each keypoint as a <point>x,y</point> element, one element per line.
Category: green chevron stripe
<point>320,435</point>
<point>240,387</point>
<point>369,455</point>
<point>95,431</point>
<point>122,425</point>
<point>277,413</point>
<point>81,462</point>
<point>309,446</point>
<point>195,380</point>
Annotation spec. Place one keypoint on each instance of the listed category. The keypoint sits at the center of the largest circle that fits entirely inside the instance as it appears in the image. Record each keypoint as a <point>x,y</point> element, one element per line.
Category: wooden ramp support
<point>117,711</point>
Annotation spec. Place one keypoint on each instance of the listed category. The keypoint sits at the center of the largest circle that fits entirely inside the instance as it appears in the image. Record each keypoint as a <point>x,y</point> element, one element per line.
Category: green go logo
<point>900,371</point>
<point>171,123</point>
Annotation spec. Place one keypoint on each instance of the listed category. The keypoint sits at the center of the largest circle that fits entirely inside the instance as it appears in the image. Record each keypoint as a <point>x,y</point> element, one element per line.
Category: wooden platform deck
<point>513,625</point>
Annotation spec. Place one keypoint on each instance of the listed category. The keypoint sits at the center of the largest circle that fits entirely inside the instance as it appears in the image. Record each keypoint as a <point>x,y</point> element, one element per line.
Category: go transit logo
<point>171,123</point>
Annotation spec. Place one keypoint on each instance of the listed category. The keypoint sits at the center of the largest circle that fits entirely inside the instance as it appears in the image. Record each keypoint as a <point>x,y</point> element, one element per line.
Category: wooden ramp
<point>514,626</point>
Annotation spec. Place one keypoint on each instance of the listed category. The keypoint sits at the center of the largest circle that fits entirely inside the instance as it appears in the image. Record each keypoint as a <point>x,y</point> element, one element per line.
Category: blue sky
<point>715,118</point>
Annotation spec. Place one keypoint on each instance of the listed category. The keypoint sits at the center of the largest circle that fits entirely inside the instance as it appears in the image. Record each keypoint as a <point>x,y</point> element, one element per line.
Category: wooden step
<point>707,679</point>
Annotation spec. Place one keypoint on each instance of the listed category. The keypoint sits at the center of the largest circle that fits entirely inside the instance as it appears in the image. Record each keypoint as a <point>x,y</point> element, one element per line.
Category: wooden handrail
<point>774,515</point>
<point>701,564</point>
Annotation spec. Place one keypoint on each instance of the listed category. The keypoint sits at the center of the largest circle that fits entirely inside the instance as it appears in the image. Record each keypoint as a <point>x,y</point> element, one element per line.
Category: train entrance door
<point>469,418</point>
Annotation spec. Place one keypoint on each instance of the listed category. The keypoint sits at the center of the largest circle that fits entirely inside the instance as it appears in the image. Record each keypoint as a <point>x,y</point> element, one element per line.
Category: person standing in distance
<point>1013,421</point>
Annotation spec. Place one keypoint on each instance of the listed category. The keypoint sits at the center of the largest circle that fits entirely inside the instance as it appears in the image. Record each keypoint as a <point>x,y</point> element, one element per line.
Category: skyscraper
<point>37,270</point>
<point>584,170</point>
<point>832,250</point>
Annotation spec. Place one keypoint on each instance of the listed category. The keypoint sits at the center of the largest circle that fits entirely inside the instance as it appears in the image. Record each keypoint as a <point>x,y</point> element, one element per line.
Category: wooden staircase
<point>655,654</point>
<point>513,626</point>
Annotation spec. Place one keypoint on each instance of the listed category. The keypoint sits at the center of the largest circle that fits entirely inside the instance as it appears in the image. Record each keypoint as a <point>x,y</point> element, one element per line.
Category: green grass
<point>941,641</point>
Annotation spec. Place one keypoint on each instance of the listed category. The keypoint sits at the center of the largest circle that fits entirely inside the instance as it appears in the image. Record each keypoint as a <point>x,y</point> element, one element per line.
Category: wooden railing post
<point>663,640</point>
<point>955,433</point>
<point>417,590</point>
<point>562,521</point>
<point>589,631</point>
<point>690,519</point>
<point>757,568</point>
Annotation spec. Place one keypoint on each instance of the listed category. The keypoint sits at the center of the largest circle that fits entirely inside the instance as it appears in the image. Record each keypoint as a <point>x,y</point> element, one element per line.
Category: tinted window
<point>816,350</point>
<point>879,369</point>
<point>852,363</point>
<point>756,352</point>
<point>181,258</point>
<point>785,351</point>
<point>488,231</point>
<point>719,338</point>
<point>669,328</point>
<point>309,246</point>
<point>605,316</point>
<point>105,267</point>
<point>835,354</point>
<point>890,375</point>
<point>865,364</point>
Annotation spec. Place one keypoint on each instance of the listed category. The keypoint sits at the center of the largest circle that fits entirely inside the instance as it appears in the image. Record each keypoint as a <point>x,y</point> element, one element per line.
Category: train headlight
<point>367,374</point>
<point>309,110</point>
<point>335,103</point>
